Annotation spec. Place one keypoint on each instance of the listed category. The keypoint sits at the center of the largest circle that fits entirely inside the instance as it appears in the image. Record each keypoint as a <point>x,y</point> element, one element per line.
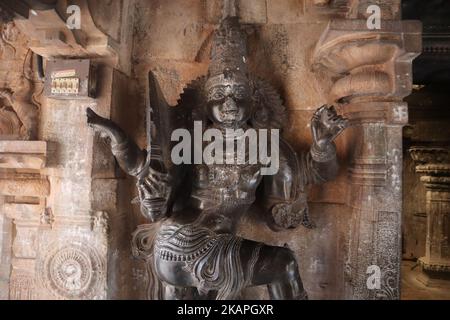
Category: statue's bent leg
<point>179,293</point>
<point>275,267</point>
<point>179,284</point>
<point>173,273</point>
<point>194,256</point>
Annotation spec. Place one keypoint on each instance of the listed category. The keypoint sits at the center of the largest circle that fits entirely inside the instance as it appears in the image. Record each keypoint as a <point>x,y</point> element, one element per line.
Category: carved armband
<point>285,217</point>
<point>323,154</point>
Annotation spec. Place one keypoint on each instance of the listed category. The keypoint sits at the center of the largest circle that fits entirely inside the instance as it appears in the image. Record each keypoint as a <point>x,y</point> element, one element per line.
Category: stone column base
<point>434,275</point>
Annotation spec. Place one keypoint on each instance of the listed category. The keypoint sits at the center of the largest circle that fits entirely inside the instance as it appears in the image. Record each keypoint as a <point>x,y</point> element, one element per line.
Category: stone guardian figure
<point>191,247</point>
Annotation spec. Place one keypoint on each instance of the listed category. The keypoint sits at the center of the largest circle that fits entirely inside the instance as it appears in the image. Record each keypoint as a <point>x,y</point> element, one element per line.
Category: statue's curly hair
<point>269,111</point>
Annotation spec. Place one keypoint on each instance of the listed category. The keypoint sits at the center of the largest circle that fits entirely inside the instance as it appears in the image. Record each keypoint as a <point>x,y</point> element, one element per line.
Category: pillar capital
<point>51,34</point>
<point>433,163</point>
<point>368,74</point>
<point>369,69</point>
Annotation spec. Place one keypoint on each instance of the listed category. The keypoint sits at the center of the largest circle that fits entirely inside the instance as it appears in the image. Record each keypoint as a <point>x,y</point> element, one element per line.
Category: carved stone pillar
<point>24,192</point>
<point>57,214</point>
<point>370,73</point>
<point>434,166</point>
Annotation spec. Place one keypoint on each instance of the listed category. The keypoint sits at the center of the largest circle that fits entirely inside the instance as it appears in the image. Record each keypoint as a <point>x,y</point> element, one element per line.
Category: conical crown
<point>229,49</point>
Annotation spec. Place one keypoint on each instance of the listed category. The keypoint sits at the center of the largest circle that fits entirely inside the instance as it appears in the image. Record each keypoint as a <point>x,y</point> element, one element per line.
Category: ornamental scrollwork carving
<point>73,270</point>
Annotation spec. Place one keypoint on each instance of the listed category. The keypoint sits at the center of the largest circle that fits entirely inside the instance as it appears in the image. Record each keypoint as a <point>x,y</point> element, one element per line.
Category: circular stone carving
<point>74,271</point>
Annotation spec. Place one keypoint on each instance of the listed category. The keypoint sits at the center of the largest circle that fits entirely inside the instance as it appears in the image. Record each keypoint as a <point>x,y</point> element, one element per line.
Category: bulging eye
<point>240,93</point>
<point>218,96</point>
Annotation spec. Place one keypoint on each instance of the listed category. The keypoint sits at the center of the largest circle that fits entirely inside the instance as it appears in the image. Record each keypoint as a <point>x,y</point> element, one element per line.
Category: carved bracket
<point>368,66</point>
<point>434,165</point>
<point>98,35</point>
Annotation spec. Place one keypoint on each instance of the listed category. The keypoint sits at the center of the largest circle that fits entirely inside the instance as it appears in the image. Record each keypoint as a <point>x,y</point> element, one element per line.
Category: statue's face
<point>229,102</point>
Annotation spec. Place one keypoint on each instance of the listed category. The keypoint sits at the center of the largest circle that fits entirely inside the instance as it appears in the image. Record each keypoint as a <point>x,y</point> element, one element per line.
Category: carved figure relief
<point>16,101</point>
<point>9,123</point>
<point>190,246</point>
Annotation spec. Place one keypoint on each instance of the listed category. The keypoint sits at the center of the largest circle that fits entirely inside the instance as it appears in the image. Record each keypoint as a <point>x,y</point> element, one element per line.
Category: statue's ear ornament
<point>269,111</point>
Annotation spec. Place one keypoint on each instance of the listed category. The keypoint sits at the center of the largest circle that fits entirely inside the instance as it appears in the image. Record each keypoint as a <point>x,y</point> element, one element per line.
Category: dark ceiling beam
<point>22,7</point>
<point>15,7</point>
<point>433,65</point>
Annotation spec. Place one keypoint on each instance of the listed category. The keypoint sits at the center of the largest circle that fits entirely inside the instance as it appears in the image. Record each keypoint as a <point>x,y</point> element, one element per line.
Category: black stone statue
<point>191,247</point>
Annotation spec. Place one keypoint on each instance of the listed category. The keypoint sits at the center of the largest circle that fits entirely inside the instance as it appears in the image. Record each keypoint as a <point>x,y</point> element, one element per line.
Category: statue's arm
<point>320,163</point>
<point>154,184</point>
<point>129,156</point>
<point>284,192</point>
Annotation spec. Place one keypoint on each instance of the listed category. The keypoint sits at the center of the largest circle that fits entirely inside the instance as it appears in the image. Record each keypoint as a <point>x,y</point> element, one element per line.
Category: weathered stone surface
<point>22,154</point>
<point>18,105</point>
<point>284,11</point>
<point>51,37</point>
<point>353,56</point>
<point>6,235</point>
<point>250,11</point>
<point>357,216</point>
<point>433,163</point>
<point>24,187</point>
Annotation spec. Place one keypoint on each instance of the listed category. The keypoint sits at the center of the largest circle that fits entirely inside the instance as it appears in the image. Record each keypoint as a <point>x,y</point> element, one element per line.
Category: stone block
<point>284,11</point>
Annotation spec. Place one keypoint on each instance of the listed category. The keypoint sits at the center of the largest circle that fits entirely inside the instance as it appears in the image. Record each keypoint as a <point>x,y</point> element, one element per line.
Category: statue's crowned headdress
<point>229,63</point>
<point>229,47</point>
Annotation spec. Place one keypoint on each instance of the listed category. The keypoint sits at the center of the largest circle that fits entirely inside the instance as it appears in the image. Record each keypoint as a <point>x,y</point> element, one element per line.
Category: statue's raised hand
<point>326,125</point>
